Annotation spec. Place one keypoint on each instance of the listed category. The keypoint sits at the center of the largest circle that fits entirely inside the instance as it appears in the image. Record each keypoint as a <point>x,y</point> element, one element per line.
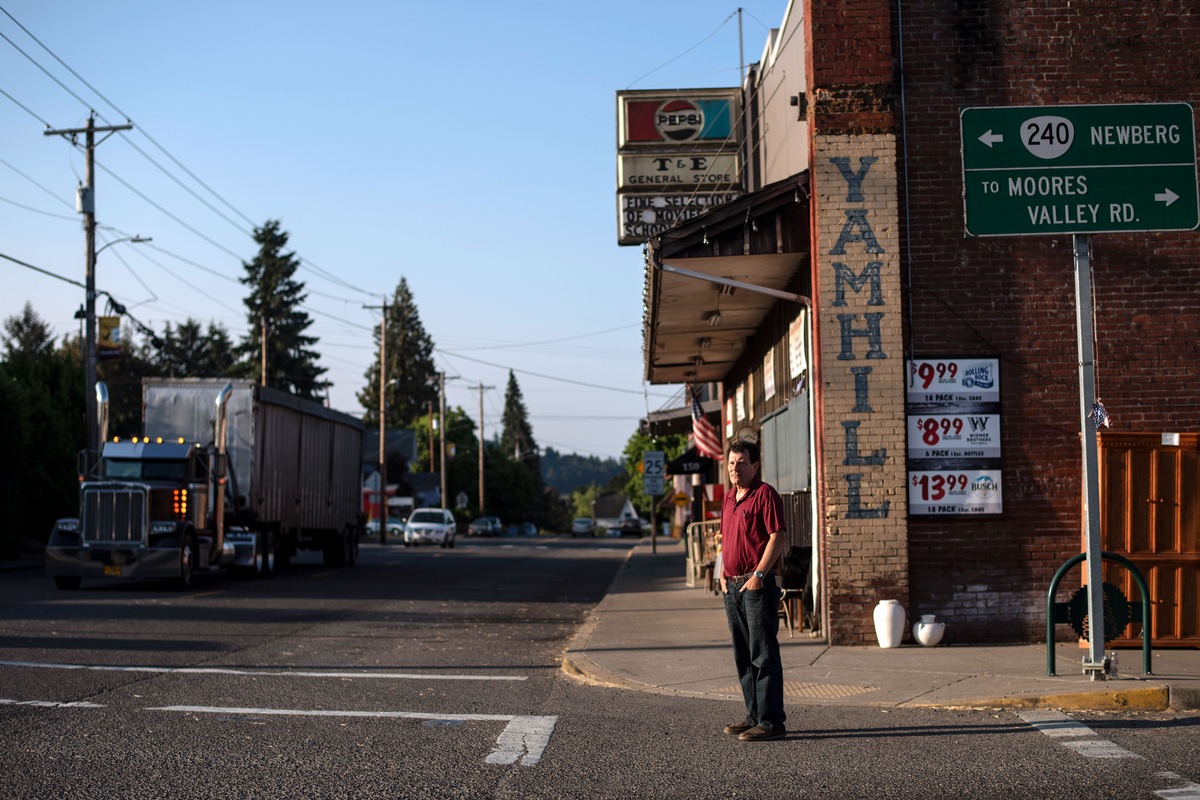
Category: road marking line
<point>408,676</point>
<point>1188,791</point>
<point>48,703</point>
<point>524,738</point>
<point>1099,748</point>
<point>1058,725</point>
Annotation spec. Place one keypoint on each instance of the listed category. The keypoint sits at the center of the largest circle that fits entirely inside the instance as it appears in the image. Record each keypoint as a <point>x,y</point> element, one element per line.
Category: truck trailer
<point>227,474</point>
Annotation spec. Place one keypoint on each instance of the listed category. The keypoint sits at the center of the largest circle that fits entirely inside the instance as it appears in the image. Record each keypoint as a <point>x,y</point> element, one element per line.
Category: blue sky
<point>469,147</point>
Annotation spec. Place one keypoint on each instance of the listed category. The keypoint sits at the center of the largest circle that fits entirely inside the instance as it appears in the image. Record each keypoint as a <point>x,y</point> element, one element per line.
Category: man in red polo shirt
<point>751,544</point>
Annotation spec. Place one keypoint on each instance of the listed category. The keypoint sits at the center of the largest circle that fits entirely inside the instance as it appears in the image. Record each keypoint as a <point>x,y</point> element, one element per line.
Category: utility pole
<point>382,420</point>
<point>86,205</point>
<point>442,430</point>
<point>481,387</point>
<point>429,405</point>
<point>442,427</point>
<point>262,339</point>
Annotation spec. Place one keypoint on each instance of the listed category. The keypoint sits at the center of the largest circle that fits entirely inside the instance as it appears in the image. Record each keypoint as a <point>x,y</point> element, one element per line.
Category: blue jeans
<point>753,618</point>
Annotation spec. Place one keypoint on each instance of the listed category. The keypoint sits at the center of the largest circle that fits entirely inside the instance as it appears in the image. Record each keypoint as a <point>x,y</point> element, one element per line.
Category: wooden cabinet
<point>1150,513</point>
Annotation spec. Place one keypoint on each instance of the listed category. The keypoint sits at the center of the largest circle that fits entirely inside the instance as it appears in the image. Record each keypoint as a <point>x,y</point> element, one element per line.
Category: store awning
<point>696,330</point>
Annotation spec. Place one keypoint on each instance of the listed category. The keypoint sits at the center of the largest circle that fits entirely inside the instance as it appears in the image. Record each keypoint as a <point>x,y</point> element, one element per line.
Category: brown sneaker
<point>760,733</point>
<point>733,729</point>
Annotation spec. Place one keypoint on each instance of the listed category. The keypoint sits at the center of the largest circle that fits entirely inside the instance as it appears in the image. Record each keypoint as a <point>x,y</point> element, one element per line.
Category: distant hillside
<point>567,472</point>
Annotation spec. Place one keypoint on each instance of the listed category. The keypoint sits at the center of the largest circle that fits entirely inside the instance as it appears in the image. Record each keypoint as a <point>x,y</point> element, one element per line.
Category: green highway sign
<point>1030,170</point>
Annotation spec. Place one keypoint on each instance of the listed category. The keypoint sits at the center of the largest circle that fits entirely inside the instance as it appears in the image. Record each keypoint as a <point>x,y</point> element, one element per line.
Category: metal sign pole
<point>1094,664</point>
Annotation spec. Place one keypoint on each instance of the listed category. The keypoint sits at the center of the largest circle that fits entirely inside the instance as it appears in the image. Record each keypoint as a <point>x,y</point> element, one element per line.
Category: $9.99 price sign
<point>954,380</point>
<point>940,492</point>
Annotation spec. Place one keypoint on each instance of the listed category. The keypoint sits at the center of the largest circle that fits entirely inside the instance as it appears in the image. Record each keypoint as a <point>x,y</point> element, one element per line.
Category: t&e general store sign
<point>677,157</point>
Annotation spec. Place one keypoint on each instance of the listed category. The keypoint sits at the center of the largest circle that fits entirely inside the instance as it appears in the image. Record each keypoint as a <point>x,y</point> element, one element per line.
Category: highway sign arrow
<point>990,138</point>
<point>1167,197</point>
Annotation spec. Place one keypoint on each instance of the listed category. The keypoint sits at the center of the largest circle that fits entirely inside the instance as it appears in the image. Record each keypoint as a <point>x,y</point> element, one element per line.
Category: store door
<point>1149,504</point>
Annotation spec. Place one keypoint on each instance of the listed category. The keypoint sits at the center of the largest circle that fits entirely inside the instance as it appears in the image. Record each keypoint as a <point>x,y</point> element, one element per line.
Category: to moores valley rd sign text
<point>1079,169</point>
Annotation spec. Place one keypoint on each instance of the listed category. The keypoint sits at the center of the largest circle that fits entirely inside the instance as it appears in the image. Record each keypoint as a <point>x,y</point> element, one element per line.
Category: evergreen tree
<point>41,392</point>
<point>26,336</point>
<point>273,311</point>
<point>516,437</point>
<point>189,351</point>
<point>409,355</point>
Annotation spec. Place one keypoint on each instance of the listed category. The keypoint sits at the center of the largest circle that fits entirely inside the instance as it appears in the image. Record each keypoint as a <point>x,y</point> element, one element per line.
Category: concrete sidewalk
<point>653,633</point>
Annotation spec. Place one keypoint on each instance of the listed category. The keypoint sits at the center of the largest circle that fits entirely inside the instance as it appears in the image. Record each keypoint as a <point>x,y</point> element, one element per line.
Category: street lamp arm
<point>133,239</point>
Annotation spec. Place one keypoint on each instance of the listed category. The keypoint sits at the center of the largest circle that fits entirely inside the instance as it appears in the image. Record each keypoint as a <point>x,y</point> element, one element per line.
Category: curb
<point>1155,698</point>
<point>1184,699</point>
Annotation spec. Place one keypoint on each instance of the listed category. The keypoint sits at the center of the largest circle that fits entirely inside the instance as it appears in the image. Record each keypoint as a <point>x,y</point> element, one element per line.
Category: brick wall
<point>858,302</point>
<point>1013,297</point>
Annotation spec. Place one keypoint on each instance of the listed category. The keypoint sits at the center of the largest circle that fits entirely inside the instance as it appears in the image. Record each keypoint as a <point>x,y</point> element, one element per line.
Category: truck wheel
<point>334,552</point>
<point>351,539</point>
<point>67,582</point>
<point>268,561</point>
<point>184,581</point>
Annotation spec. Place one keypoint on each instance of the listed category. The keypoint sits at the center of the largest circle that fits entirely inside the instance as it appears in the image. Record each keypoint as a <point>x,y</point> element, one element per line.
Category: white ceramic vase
<point>928,631</point>
<point>889,623</point>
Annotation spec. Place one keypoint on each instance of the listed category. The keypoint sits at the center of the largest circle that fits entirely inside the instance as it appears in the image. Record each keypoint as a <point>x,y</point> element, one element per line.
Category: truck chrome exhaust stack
<point>102,410</point>
<point>220,464</point>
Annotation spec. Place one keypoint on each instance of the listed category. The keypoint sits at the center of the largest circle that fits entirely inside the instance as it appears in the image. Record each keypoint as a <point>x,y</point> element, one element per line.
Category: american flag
<point>707,442</point>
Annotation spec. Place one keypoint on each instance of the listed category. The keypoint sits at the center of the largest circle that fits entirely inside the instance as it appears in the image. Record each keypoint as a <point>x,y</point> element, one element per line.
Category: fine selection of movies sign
<point>954,437</point>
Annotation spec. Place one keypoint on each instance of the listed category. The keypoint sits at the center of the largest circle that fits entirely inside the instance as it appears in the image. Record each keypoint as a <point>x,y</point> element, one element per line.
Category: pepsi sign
<point>703,116</point>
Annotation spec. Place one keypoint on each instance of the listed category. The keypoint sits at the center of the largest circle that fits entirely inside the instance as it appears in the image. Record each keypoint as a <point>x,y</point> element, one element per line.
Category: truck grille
<point>114,514</point>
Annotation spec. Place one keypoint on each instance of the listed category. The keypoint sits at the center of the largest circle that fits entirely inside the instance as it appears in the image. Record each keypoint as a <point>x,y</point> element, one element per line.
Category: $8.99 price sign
<point>938,492</point>
<point>953,436</point>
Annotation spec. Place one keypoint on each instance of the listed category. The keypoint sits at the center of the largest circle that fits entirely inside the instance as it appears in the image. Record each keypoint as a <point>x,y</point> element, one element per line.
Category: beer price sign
<point>954,436</point>
<point>941,436</point>
<point>952,380</point>
<point>953,492</point>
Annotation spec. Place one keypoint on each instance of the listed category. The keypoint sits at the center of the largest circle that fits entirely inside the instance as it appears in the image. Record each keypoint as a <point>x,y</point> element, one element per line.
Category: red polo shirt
<point>747,525</point>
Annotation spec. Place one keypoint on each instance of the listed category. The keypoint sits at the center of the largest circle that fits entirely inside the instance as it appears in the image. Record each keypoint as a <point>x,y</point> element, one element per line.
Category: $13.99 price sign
<point>941,492</point>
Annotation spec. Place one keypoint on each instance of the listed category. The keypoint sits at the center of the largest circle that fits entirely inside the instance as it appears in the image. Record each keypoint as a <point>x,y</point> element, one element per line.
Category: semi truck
<point>226,475</point>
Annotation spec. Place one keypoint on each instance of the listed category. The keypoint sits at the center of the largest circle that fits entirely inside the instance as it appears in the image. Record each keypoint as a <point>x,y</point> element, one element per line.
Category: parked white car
<point>430,526</point>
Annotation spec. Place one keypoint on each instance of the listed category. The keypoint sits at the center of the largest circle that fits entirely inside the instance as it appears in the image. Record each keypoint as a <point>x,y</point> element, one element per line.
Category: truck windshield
<point>146,470</point>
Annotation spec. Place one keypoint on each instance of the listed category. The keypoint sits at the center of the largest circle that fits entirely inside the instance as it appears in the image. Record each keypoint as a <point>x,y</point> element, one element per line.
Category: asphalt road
<point>435,673</point>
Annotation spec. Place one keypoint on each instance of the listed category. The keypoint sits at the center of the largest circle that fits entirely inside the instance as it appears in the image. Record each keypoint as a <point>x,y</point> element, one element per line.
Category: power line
<point>99,94</point>
<point>327,275</point>
<point>540,375</point>
<point>24,108</point>
<point>54,275</point>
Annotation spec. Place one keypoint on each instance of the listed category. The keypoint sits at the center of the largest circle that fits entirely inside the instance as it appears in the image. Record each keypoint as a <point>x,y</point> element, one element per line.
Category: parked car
<point>631,526</point>
<point>395,527</point>
<point>527,529</point>
<point>583,526</point>
<point>485,526</point>
<point>432,526</point>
